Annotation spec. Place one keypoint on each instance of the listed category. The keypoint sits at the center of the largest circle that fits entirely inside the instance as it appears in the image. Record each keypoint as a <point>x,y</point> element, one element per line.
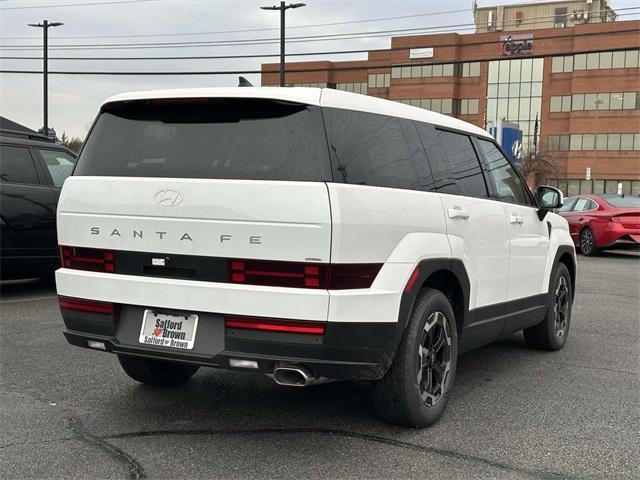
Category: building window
<point>425,71</point>
<point>591,141</point>
<point>358,87</point>
<point>470,69</point>
<point>514,94</point>
<point>379,80</point>
<point>560,17</point>
<point>440,105</point>
<point>310,85</point>
<point>596,60</point>
<point>469,106</point>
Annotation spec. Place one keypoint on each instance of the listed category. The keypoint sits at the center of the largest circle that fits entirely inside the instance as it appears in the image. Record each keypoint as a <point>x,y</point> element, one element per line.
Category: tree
<point>538,166</point>
<point>72,143</point>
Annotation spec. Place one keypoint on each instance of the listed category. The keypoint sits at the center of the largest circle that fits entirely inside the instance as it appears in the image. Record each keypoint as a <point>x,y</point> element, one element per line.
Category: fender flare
<point>427,268</point>
<point>571,251</point>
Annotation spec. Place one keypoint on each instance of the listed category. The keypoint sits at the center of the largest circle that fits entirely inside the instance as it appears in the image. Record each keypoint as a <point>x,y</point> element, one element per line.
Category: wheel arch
<point>566,255</point>
<point>444,274</point>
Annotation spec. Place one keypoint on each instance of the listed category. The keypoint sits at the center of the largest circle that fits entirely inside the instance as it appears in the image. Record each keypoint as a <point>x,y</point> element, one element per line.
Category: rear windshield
<point>208,138</point>
<point>620,201</point>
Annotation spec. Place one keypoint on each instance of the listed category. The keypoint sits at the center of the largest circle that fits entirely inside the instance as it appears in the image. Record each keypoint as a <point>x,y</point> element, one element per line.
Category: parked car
<point>307,234</point>
<point>605,221</point>
<point>32,171</point>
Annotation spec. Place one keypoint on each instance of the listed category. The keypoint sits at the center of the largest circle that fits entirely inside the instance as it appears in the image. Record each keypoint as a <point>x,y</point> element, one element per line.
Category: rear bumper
<point>618,236</point>
<point>358,351</point>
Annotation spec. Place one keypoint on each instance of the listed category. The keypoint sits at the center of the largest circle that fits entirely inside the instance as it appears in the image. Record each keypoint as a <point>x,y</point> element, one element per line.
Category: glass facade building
<point>514,94</point>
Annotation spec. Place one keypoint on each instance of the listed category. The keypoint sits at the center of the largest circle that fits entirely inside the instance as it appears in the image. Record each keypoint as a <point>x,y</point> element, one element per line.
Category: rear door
<point>186,179</point>
<point>27,207</point>
<point>476,227</point>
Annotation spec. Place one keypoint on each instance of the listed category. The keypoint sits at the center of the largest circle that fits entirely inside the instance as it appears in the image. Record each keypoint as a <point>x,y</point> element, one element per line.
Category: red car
<point>603,221</point>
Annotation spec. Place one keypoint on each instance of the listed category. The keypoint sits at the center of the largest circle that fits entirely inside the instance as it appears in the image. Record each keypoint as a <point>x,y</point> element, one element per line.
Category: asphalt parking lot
<point>68,412</point>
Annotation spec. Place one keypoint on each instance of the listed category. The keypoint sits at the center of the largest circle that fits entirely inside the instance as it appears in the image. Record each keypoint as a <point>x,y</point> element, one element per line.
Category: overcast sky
<point>74,100</point>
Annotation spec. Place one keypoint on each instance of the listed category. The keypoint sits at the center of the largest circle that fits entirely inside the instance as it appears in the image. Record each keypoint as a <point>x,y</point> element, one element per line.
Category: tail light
<point>82,305</point>
<point>274,325</point>
<point>92,259</point>
<point>615,219</point>
<point>337,276</point>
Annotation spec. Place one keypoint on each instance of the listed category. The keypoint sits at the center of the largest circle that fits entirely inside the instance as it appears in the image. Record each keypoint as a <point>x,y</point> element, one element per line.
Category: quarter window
<point>16,165</point>
<point>504,178</point>
<point>369,149</point>
<point>59,164</point>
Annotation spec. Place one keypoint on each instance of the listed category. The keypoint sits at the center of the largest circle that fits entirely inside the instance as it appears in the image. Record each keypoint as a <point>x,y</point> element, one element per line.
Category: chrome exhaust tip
<point>292,376</point>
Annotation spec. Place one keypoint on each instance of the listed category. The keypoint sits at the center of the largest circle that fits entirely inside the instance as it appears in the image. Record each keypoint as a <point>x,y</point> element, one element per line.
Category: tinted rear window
<point>208,138</point>
<point>622,202</point>
<point>375,150</point>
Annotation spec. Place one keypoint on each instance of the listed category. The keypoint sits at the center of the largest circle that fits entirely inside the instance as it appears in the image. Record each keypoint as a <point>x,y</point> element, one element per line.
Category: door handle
<point>457,212</point>
<point>581,219</point>
<point>516,219</point>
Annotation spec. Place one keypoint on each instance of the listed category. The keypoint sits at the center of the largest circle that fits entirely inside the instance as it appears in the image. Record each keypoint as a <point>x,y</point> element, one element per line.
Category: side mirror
<point>549,198</point>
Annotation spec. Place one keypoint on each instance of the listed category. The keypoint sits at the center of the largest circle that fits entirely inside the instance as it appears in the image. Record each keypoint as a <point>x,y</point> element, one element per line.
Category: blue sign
<point>509,136</point>
<point>512,143</point>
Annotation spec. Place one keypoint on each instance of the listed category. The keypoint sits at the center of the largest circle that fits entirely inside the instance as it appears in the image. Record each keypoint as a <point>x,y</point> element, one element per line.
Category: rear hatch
<point>180,188</point>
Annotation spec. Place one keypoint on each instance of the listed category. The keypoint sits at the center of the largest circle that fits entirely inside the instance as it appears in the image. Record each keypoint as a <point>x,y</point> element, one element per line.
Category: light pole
<point>45,68</point>
<point>283,8</point>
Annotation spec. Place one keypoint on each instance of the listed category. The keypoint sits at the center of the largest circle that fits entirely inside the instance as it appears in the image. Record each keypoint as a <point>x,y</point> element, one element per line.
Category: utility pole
<point>45,68</point>
<point>283,8</point>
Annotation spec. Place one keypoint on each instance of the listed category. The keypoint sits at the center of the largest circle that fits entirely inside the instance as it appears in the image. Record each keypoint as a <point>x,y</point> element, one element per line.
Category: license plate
<point>171,331</point>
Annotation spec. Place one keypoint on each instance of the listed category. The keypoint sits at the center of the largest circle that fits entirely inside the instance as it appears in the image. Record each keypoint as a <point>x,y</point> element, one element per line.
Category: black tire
<point>399,397</point>
<point>588,245</point>
<point>156,372</point>
<point>552,332</point>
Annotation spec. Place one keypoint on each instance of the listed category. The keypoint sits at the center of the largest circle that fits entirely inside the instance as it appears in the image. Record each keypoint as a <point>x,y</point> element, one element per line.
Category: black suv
<point>32,171</point>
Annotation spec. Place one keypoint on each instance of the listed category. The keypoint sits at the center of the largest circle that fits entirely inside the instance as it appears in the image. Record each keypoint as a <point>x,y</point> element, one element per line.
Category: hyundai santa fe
<point>307,234</point>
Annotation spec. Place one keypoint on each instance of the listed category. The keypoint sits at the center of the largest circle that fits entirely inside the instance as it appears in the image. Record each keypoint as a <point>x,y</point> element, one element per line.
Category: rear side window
<point>583,204</point>
<point>568,205</point>
<point>464,165</point>
<point>16,165</point>
<point>249,139</point>
<point>59,164</point>
<point>370,149</point>
<point>505,180</point>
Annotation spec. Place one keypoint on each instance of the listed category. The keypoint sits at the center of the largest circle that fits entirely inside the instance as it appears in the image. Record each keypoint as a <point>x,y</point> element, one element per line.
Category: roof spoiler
<point>243,82</point>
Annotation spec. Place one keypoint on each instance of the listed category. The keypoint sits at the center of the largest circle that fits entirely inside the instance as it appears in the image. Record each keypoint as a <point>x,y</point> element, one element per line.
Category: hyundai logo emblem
<point>168,197</point>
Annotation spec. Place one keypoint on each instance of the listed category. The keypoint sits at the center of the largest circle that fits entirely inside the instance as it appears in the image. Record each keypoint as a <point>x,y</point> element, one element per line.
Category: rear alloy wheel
<point>415,390</point>
<point>156,372</point>
<point>588,245</point>
<point>552,332</point>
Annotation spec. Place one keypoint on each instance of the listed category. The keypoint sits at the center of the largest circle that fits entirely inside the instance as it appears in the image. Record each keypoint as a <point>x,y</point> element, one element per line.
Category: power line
<point>369,66</point>
<point>86,4</point>
<point>255,29</point>
<point>264,41</point>
<point>299,54</point>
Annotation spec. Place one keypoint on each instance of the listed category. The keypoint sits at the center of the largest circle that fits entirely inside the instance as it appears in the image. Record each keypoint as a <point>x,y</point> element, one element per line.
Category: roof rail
<point>27,135</point>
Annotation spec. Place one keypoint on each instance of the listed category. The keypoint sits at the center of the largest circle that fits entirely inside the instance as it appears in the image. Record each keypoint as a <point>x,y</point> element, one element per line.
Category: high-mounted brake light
<point>179,101</point>
<point>92,259</point>
<point>273,325</point>
<point>83,305</point>
<point>336,276</point>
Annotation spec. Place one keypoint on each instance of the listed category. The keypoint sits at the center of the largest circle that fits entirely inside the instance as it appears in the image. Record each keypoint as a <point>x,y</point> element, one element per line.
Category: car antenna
<point>243,82</point>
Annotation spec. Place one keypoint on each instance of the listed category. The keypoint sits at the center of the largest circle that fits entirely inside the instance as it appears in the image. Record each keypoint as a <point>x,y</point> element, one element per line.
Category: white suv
<point>309,234</point>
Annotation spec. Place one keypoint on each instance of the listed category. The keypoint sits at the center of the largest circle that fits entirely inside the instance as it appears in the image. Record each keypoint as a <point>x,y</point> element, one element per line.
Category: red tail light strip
<point>83,305</point>
<point>273,325</point>
<point>92,259</point>
<point>337,276</point>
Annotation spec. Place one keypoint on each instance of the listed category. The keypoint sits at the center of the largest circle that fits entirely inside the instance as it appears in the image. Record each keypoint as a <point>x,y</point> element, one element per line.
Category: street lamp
<point>282,9</point>
<point>45,57</point>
